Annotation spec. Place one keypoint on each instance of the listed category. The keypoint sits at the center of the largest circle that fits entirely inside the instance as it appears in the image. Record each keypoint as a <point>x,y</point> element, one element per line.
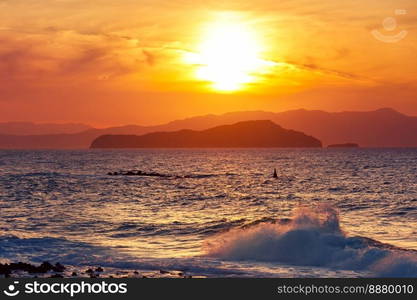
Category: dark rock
<point>56,276</point>
<point>45,267</point>
<point>5,270</point>
<point>58,268</point>
<point>99,270</point>
<point>139,173</point>
<point>74,274</point>
<point>20,266</point>
<point>89,271</point>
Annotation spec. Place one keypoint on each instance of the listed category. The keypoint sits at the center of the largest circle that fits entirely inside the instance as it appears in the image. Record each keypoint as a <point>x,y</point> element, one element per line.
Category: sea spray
<point>313,237</point>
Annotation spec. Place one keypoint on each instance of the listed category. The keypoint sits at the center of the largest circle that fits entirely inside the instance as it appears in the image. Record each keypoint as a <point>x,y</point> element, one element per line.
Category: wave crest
<point>313,237</point>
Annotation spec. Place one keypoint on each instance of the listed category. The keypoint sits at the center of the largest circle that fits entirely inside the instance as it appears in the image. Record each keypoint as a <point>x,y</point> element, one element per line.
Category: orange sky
<point>112,62</point>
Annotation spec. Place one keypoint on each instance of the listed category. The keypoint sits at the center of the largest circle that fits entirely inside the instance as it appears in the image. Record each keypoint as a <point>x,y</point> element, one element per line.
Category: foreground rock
<point>45,267</point>
<point>48,270</point>
<point>249,134</point>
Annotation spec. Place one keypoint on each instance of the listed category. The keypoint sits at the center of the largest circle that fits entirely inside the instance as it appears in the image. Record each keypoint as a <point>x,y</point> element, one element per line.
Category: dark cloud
<point>149,57</point>
<point>325,71</point>
<point>312,67</point>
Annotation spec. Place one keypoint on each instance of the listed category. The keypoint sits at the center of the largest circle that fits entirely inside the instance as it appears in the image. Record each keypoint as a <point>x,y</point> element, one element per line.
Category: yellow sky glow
<point>229,56</point>
<point>111,62</point>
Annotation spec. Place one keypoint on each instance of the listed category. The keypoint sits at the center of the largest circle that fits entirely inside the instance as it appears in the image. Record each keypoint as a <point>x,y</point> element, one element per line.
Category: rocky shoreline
<point>58,270</point>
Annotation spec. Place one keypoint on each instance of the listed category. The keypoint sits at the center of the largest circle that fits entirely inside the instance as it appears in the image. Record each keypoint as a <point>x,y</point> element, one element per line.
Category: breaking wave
<point>313,237</point>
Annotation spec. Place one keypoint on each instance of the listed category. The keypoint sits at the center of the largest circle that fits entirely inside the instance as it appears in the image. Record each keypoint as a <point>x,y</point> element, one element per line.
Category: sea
<point>215,212</point>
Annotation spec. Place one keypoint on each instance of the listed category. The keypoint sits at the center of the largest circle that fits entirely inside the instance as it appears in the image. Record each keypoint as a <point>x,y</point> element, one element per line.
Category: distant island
<point>345,145</point>
<point>362,127</point>
<point>248,134</point>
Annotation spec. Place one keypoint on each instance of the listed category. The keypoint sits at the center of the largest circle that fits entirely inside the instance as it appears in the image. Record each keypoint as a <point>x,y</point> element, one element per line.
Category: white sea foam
<point>312,238</point>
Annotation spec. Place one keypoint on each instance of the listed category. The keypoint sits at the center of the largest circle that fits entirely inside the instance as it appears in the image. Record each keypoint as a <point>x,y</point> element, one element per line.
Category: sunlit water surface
<point>62,206</point>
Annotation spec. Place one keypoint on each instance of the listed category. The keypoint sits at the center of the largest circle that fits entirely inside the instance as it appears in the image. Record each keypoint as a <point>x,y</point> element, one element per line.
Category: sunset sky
<point>113,62</point>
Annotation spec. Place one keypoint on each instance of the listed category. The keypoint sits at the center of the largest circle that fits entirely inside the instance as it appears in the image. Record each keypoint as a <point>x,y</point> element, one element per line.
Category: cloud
<point>75,40</point>
<point>61,54</point>
<point>325,71</point>
<point>149,57</point>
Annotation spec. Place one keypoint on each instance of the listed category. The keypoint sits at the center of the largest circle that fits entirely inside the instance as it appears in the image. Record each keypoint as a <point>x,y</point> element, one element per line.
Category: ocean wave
<point>313,237</point>
<point>81,254</point>
<point>39,249</point>
<point>175,228</point>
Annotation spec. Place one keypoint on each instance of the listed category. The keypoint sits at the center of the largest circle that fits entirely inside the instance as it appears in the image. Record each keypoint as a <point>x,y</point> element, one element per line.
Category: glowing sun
<point>228,56</point>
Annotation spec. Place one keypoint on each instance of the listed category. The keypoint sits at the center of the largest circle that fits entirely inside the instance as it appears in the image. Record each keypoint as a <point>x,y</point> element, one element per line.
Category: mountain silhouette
<point>248,134</point>
<point>380,128</point>
<point>28,128</point>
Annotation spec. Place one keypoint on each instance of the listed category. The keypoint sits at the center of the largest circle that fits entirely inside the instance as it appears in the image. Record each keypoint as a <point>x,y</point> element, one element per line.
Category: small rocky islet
<point>141,173</point>
<point>138,173</point>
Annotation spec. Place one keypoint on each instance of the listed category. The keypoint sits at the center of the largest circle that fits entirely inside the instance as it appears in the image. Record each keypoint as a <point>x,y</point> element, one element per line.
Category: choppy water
<point>230,218</point>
